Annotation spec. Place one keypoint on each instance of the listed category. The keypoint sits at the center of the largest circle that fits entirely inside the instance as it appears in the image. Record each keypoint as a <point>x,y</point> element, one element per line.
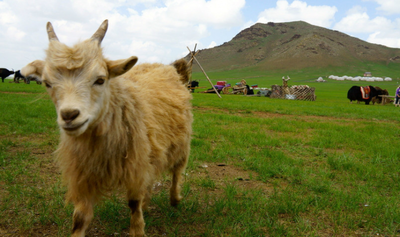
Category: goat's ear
<point>119,67</point>
<point>35,68</point>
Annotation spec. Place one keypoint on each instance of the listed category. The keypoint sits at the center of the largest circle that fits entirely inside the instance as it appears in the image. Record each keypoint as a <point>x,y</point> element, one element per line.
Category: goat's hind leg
<point>177,170</point>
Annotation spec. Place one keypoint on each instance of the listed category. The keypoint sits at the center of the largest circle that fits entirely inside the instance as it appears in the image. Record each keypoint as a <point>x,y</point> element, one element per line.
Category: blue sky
<point>160,30</point>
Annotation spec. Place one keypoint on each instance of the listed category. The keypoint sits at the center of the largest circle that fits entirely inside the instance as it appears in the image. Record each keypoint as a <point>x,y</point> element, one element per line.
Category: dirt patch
<point>222,173</point>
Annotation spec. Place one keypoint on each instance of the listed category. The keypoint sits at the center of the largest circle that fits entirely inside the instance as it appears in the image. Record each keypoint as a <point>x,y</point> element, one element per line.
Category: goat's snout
<point>68,115</point>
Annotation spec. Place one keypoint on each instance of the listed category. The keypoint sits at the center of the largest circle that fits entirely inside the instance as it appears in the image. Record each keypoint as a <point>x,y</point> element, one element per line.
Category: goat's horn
<point>100,33</point>
<point>50,32</point>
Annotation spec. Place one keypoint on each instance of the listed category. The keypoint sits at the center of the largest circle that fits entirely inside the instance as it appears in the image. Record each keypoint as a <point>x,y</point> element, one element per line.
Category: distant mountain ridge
<point>293,45</point>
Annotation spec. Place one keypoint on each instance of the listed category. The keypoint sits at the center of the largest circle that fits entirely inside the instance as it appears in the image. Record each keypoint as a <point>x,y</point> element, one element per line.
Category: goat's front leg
<point>83,215</point>
<point>135,202</point>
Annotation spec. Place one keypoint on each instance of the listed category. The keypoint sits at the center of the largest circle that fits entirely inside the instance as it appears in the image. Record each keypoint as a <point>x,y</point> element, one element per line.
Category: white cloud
<point>358,21</point>
<point>153,30</point>
<point>212,45</point>
<point>15,34</point>
<point>389,6</point>
<point>383,38</point>
<point>298,10</point>
<point>220,13</point>
<point>7,16</point>
<point>381,30</point>
<point>356,9</point>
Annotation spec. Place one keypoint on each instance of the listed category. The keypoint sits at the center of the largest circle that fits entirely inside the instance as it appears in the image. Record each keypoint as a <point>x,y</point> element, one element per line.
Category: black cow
<point>355,94</point>
<point>192,85</point>
<point>18,76</point>
<point>5,73</point>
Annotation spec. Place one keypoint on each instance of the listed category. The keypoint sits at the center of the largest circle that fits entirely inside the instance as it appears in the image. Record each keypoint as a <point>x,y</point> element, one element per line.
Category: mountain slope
<point>293,45</point>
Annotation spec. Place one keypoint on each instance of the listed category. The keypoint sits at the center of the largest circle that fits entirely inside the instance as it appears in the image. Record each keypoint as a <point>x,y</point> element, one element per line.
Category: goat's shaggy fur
<point>120,127</point>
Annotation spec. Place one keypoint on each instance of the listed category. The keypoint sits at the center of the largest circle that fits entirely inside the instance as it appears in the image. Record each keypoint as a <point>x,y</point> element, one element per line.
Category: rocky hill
<point>293,45</point>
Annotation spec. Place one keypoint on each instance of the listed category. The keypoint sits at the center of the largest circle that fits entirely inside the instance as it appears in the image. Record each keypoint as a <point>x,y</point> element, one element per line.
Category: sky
<point>161,30</point>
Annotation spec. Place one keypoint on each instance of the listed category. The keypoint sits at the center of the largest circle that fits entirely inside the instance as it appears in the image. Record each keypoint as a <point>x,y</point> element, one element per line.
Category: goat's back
<point>160,83</point>
<point>168,110</point>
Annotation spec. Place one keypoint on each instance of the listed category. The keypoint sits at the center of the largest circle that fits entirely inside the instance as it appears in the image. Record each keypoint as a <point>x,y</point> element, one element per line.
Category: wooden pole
<point>190,64</point>
<point>194,57</point>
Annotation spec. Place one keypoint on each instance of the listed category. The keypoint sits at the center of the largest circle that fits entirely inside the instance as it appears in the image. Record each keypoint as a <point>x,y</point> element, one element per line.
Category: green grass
<point>290,168</point>
<point>21,87</point>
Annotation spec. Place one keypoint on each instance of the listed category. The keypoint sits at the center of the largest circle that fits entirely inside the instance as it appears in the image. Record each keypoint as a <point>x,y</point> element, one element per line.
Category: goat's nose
<point>69,115</point>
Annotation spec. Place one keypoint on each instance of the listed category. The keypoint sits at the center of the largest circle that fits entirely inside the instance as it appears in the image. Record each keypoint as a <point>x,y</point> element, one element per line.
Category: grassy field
<point>258,167</point>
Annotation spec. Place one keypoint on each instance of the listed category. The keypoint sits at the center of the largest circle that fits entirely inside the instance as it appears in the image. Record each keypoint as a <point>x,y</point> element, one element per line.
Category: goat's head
<point>78,78</point>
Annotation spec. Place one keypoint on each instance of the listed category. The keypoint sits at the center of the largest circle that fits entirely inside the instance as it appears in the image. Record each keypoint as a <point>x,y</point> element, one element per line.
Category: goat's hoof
<point>137,235</point>
<point>175,201</point>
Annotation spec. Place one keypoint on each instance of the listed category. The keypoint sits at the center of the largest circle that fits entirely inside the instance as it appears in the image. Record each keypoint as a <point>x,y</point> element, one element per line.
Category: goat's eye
<point>99,81</point>
<point>47,84</point>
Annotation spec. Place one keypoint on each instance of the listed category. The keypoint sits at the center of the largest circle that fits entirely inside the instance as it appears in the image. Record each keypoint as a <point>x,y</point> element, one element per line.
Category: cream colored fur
<point>33,69</point>
<point>129,129</point>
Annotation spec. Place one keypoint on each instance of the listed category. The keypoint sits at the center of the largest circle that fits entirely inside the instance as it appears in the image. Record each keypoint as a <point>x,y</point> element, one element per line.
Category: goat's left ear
<point>119,67</point>
<point>33,68</point>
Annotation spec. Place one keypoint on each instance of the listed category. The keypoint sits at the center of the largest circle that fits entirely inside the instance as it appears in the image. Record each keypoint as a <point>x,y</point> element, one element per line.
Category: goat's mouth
<point>73,127</point>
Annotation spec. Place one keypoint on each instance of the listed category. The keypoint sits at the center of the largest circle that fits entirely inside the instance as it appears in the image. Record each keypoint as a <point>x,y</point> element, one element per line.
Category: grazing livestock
<point>355,93</point>
<point>33,78</point>
<point>378,99</point>
<point>192,85</point>
<point>116,131</point>
<point>4,73</point>
<point>18,76</point>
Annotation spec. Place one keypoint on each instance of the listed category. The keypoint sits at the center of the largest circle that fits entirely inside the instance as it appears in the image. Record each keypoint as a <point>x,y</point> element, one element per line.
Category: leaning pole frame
<point>193,54</point>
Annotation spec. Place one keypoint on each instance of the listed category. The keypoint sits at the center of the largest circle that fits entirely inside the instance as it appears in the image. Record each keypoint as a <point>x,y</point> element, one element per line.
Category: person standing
<point>396,103</point>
